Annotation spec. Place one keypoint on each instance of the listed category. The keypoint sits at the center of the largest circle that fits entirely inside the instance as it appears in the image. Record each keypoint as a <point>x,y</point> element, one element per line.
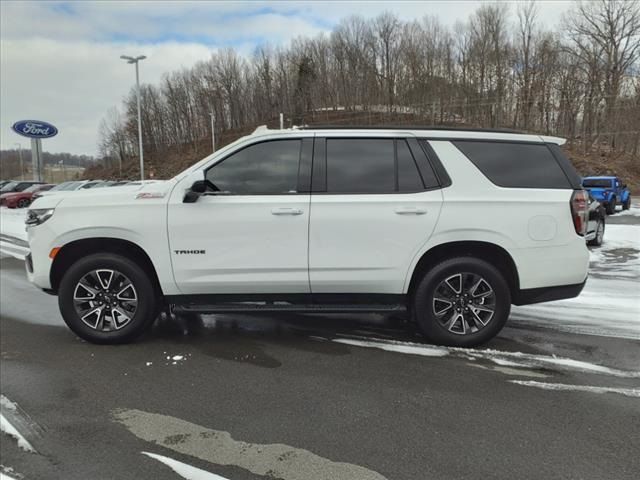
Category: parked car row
<point>20,193</point>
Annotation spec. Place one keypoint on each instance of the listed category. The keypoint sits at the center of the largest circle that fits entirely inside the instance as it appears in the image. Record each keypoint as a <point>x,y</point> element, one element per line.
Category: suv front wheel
<point>107,298</point>
<point>462,302</point>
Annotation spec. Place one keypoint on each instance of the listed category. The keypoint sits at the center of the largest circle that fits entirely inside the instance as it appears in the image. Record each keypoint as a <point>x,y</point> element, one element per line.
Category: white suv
<point>451,226</point>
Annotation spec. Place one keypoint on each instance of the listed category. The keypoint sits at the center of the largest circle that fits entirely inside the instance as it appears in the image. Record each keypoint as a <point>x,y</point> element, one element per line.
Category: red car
<point>23,199</point>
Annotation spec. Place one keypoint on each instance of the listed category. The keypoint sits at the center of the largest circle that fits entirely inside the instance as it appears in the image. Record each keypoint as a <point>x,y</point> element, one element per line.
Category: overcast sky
<point>59,61</point>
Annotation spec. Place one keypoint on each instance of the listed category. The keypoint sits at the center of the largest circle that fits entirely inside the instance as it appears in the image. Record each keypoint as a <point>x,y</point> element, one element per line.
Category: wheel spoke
<point>128,293</point>
<point>483,286</point>
<point>97,314</point>
<point>452,320</point>
<point>477,320</point>
<point>105,277</point>
<point>84,292</point>
<point>482,308</point>
<point>441,305</point>
<point>120,318</point>
<point>455,283</point>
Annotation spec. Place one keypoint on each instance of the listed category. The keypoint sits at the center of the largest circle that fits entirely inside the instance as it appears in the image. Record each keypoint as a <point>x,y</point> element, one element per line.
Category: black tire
<point>146,297</point>
<point>611,206</point>
<point>597,240</point>
<point>627,204</point>
<point>23,203</point>
<point>424,305</point>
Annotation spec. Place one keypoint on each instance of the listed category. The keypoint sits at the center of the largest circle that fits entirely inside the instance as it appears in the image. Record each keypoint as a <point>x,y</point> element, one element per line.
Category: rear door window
<point>368,165</point>
<point>364,165</point>
<point>515,165</point>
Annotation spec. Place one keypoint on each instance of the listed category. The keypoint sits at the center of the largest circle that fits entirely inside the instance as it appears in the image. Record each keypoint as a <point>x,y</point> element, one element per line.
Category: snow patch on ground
<point>502,358</point>
<point>609,305</point>
<point>399,347</point>
<point>6,427</point>
<point>629,392</point>
<point>5,475</point>
<point>183,469</point>
<point>8,404</point>
<point>634,211</point>
<point>173,359</point>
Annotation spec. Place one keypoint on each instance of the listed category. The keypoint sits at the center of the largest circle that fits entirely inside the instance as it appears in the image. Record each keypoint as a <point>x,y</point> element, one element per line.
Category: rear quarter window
<point>515,165</point>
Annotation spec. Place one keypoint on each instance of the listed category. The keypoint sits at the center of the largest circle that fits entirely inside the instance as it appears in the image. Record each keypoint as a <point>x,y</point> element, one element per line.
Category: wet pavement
<point>325,396</point>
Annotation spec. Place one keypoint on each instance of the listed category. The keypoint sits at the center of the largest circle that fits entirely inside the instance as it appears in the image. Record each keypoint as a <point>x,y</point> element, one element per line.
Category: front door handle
<point>410,211</point>
<point>286,211</point>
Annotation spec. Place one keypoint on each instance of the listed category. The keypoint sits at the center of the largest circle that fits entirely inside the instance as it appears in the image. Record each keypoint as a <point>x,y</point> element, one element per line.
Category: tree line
<point>502,68</point>
<point>14,162</point>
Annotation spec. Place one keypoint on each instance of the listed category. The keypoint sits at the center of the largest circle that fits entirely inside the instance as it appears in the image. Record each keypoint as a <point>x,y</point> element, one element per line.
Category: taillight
<point>580,211</point>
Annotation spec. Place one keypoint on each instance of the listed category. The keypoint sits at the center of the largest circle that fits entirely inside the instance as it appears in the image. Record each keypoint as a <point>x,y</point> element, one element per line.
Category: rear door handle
<point>286,211</point>
<point>410,211</point>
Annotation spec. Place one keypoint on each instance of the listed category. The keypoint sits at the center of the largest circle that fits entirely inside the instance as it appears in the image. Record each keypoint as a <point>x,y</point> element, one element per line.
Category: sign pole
<point>36,159</point>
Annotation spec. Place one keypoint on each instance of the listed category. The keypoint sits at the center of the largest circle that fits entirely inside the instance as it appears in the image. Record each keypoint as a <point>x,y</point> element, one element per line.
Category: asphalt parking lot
<point>555,395</point>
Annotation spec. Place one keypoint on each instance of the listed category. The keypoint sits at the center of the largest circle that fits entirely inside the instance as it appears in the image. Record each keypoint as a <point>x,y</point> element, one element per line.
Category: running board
<point>275,308</point>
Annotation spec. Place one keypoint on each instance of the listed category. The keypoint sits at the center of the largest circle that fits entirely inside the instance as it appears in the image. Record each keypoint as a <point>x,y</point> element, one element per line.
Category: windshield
<point>8,187</point>
<point>33,188</point>
<point>596,182</point>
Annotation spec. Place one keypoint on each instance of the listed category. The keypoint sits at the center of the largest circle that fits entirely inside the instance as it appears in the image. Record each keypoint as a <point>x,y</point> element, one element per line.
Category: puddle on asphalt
<point>244,338</point>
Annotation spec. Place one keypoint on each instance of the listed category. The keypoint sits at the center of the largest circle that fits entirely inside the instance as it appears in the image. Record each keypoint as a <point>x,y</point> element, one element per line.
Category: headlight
<point>37,216</point>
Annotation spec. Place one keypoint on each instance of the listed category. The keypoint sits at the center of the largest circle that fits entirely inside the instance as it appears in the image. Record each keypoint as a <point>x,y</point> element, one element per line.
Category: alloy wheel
<point>464,303</point>
<point>105,300</point>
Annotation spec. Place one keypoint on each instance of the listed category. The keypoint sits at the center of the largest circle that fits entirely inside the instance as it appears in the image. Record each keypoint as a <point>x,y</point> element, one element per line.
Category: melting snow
<point>9,429</point>
<point>609,305</point>
<point>502,358</point>
<point>400,347</point>
<point>183,469</point>
<point>630,392</point>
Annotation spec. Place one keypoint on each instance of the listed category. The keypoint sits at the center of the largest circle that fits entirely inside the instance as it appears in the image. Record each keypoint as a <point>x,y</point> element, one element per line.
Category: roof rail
<point>407,127</point>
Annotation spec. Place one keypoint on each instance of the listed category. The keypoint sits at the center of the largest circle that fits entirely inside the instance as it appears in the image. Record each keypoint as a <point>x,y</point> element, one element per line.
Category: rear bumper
<point>547,294</point>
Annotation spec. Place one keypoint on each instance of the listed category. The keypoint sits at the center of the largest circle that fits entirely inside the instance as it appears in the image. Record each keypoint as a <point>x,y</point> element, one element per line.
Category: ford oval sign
<point>34,129</point>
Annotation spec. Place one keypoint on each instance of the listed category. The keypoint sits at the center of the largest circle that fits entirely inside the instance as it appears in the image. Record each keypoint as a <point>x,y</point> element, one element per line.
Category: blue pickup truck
<point>609,191</point>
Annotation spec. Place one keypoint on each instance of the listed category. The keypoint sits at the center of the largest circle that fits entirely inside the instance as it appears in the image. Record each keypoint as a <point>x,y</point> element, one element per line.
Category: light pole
<point>136,60</point>
<point>21,163</point>
<point>213,133</point>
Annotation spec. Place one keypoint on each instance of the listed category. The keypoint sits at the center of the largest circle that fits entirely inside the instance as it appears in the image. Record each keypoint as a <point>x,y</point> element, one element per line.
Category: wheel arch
<point>494,254</point>
<point>76,249</point>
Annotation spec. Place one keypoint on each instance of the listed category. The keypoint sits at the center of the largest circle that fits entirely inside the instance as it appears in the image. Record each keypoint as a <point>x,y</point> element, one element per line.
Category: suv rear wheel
<point>611,207</point>
<point>107,298</point>
<point>462,302</point>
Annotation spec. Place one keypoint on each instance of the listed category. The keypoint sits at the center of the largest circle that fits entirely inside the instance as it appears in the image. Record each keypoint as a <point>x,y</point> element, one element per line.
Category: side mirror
<point>199,186</point>
<point>196,190</point>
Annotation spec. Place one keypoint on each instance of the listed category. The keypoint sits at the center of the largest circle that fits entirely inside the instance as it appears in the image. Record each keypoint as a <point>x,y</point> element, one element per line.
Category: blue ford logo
<point>34,129</point>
